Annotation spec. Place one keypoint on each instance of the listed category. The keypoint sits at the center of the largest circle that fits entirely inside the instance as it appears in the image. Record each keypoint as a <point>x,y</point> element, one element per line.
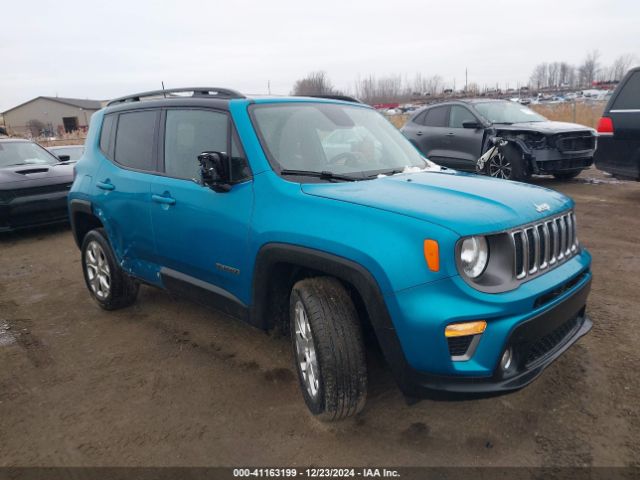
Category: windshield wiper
<point>325,175</point>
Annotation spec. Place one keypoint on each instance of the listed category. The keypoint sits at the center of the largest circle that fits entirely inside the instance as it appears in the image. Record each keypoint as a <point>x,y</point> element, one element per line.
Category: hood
<point>463,202</point>
<point>21,176</point>
<point>548,127</point>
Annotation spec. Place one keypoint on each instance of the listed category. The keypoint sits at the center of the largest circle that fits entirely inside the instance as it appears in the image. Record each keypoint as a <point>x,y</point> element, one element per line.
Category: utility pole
<point>466,80</point>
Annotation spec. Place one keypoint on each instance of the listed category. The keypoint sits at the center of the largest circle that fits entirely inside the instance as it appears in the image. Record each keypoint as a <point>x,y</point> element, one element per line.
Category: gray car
<point>455,134</point>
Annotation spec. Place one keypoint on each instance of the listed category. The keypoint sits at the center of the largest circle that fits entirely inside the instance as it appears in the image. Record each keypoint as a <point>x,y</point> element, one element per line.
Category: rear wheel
<point>567,175</point>
<point>328,348</point>
<point>108,284</point>
<point>508,164</point>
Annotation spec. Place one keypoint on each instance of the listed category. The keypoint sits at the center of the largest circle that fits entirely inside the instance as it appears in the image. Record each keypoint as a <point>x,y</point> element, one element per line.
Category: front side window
<point>135,139</point>
<point>24,153</point>
<point>336,138</point>
<point>459,115</point>
<point>188,133</point>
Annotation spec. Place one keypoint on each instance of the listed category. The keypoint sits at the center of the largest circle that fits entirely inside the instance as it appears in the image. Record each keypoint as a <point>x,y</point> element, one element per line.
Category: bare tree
<point>589,69</point>
<point>383,90</point>
<point>621,65</point>
<point>315,83</point>
<point>540,76</point>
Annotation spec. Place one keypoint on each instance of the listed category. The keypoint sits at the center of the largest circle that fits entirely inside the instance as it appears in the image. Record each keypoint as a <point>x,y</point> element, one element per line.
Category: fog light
<point>507,359</point>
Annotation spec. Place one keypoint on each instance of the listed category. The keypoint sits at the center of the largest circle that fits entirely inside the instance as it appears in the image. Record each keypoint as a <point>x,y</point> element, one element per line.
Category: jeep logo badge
<point>543,207</point>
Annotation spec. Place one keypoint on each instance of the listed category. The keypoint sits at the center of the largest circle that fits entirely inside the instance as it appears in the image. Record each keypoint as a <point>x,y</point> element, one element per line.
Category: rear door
<point>129,142</point>
<point>624,151</point>
<point>429,132</point>
<point>464,144</point>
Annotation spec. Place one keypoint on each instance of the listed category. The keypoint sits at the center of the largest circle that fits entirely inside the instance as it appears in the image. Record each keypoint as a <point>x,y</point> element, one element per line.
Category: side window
<point>188,133</point>
<point>105,135</point>
<point>629,96</point>
<point>437,117</point>
<point>135,138</point>
<point>459,115</point>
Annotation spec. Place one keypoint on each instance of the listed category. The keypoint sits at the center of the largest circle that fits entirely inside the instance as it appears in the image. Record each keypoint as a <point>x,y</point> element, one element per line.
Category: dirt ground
<point>166,382</point>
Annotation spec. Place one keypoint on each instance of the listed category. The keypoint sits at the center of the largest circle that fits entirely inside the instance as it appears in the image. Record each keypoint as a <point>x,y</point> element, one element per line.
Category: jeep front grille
<point>543,245</point>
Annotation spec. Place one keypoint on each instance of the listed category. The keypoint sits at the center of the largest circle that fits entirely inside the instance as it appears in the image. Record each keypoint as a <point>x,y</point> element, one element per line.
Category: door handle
<point>164,200</point>
<point>451,134</point>
<point>106,185</point>
<point>419,134</point>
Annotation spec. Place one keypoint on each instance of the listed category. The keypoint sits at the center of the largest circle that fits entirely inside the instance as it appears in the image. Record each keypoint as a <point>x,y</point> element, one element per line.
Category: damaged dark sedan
<point>456,134</point>
<point>33,185</point>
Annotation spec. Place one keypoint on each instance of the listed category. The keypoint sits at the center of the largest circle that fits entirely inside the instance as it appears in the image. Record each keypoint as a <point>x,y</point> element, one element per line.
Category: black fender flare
<point>345,270</point>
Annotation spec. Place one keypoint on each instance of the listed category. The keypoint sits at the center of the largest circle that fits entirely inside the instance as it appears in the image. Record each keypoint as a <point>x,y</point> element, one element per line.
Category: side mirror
<point>64,158</point>
<point>214,171</point>
<point>473,125</point>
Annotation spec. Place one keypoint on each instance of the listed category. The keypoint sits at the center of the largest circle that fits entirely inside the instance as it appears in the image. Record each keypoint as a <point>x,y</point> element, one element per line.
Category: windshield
<point>507,112</point>
<point>24,153</point>
<point>341,139</point>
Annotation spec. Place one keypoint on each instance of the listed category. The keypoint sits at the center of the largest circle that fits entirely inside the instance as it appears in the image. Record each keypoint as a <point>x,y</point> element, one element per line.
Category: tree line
<point>397,88</point>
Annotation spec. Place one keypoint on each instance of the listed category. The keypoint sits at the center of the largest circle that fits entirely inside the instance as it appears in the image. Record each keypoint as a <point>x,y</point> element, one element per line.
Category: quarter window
<point>135,139</point>
<point>105,135</point>
<point>629,96</point>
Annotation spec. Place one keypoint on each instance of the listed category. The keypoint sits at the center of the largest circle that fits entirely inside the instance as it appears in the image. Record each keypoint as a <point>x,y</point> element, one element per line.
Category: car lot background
<point>167,382</point>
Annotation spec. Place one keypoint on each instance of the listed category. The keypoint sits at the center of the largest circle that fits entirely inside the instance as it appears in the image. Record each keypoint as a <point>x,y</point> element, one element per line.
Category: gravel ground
<point>166,382</point>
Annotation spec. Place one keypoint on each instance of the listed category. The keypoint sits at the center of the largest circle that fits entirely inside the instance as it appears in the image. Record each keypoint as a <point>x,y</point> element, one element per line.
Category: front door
<point>201,235</point>
<point>464,144</point>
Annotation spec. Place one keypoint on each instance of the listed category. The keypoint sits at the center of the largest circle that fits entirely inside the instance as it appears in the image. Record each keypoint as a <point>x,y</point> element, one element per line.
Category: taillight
<point>605,125</point>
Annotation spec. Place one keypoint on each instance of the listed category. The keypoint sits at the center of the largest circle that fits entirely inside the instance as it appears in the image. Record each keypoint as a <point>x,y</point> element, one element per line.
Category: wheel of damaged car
<point>508,164</point>
<point>108,284</point>
<point>328,348</point>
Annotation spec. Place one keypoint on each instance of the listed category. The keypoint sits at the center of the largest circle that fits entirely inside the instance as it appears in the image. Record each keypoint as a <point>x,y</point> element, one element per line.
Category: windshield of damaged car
<point>24,153</point>
<point>335,138</point>
<point>507,112</point>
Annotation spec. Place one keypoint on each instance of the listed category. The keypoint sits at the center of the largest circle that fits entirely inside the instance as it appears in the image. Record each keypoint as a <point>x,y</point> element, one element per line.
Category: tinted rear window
<point>629,96</point>
<point>135,139</point>
<point>437,117</point>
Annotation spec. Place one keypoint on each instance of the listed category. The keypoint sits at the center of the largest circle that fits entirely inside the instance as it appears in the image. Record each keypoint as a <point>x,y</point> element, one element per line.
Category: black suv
<point>619,130</point>
<point>455,134</point>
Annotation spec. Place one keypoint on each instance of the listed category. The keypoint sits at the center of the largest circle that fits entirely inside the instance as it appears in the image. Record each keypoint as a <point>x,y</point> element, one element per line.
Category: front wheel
<point>328,348</point>
<point>508,164</point>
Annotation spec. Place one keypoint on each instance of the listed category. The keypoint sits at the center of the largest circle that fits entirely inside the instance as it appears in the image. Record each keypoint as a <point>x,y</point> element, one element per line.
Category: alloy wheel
<point>306,351</point>
<point>499,166</point>
<point>97,268</point>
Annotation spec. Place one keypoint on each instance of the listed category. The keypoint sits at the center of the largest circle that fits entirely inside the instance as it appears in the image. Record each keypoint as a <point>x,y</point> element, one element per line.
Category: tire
<point>508,164</point>
<point>567,175</point>
<point>333,336</point>
<point>107,283</point>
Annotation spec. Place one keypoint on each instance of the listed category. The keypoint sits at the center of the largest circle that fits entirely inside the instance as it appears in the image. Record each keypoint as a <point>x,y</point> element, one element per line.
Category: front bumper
<point>538,333</point>
<point>33,209</point>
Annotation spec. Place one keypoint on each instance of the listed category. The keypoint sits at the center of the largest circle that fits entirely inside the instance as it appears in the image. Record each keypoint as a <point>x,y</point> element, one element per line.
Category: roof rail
<point>344,98</point>
<point>212,92</point>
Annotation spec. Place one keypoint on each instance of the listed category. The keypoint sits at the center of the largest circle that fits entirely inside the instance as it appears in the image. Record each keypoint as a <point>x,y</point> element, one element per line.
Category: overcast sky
<point>105,49</point>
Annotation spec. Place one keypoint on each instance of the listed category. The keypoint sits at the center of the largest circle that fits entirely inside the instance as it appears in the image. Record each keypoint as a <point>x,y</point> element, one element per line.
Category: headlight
<point>474,255</point>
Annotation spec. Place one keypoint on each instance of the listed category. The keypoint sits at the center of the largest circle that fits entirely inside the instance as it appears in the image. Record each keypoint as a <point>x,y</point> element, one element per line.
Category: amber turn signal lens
<point>464,329</point>
<point>432,255</point>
